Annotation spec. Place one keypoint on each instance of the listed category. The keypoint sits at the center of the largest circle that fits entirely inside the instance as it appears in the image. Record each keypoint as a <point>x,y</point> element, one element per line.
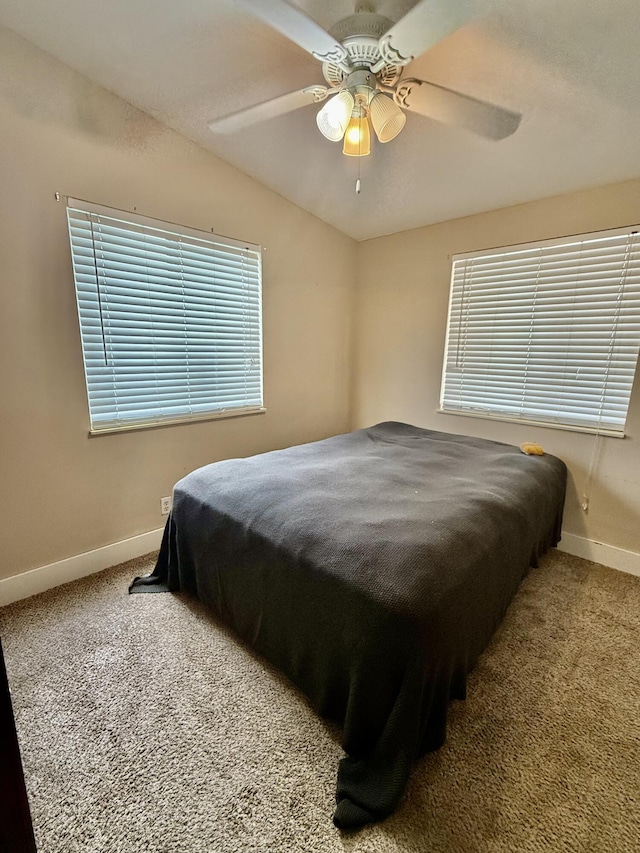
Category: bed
<point>371,568</point>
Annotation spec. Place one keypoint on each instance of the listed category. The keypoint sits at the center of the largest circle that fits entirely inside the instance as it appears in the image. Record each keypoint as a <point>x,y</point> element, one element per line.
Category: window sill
<point>545,424</point>
<point>211,416</point>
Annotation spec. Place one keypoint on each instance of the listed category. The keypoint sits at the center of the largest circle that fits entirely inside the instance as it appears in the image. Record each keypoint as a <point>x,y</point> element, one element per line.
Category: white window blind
<point>546,332</point>
<point>170,319</point>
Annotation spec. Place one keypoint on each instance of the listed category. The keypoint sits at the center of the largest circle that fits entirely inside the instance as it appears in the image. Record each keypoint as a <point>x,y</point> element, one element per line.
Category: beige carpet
<point>144,726</point>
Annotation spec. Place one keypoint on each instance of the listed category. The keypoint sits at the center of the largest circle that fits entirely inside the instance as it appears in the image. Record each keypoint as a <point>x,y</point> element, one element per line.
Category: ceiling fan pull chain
<point>357,186</point>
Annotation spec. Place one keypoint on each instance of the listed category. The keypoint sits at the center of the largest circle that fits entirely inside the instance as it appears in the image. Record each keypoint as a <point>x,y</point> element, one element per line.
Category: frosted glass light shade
<point>333,118</point>
<point>357,138</point>
<point>386,117</point>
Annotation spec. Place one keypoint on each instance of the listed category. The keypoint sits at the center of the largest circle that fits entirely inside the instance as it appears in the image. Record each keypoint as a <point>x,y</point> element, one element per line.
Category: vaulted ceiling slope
<point>570,67</point>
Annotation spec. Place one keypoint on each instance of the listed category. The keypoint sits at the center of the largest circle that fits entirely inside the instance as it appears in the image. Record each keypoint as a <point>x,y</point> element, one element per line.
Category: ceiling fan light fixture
<point>333,118</point>
<point>386,117</point>
<point>357,137</point>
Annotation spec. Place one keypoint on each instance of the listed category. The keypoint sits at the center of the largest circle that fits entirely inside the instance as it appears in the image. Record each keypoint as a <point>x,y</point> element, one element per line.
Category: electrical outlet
<point>165,505</point>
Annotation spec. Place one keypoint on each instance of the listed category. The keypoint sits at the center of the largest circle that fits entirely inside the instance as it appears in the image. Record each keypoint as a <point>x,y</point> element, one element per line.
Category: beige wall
<point>400,320</point>
<point>61,492</point>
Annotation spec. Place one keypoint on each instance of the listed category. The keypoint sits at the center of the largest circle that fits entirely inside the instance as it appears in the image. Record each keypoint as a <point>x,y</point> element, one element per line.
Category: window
<point>546,333</point>
<point>170,320</point>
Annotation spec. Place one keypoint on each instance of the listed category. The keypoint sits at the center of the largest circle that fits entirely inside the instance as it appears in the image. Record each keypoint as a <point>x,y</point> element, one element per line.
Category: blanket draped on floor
<point>372,569</point>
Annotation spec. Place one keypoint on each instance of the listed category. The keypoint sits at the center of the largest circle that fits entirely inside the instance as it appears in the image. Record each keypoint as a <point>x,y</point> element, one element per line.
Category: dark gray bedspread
<point>372,568</point>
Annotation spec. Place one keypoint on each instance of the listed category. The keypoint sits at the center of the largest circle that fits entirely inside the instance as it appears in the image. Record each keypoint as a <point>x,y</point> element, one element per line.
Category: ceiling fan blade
<point>426,24</point>
<point>451,107</point>
<point>269,109</point>
<point>299,28</point>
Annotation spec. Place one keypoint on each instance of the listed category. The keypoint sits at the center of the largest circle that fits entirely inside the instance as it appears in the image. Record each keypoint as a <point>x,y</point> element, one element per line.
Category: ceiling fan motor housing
<point>359,34</point>
<point>362,84</point>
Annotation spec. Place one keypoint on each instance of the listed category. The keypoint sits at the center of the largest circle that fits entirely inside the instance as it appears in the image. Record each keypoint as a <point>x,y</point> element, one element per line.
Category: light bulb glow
<point>333,118</point>
<point>357,138</point>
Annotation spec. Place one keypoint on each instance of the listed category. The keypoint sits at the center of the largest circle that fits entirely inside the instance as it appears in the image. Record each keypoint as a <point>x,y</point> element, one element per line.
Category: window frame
<point>453,329</point>
<point>176,231</point>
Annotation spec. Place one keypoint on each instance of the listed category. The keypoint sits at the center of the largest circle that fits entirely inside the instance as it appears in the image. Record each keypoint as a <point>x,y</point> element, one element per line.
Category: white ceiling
<point>571,67</point>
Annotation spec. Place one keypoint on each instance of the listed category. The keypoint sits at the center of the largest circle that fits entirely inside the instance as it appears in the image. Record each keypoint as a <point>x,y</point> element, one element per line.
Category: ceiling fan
<point>363,57</point>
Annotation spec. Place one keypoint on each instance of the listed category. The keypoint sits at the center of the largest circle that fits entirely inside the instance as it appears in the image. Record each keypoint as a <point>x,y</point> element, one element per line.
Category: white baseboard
<point>599,552</point>
<point>46,577</point>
